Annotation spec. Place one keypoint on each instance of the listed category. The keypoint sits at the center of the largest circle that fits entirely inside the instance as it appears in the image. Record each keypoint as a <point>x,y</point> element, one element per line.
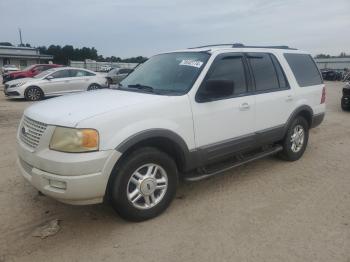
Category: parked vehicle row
<point>334,75</point>
<point>29,71</point>
<point>192,113</point>
<point>8,68</point>
<point>54,82</point>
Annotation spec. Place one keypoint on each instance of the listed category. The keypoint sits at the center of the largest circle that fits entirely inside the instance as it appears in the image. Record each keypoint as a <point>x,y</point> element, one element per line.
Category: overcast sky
<point>146,27</point>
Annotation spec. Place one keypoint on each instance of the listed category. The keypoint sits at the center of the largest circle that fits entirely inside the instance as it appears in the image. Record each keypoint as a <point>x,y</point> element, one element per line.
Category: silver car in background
<point>55,82</point>
<point>117,74</point>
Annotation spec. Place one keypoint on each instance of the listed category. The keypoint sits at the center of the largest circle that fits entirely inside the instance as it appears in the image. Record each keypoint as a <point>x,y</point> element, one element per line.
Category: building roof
<point>22,52</point>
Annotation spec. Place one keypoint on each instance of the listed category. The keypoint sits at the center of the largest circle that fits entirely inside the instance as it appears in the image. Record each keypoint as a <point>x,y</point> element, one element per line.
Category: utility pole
<point>20,36</point>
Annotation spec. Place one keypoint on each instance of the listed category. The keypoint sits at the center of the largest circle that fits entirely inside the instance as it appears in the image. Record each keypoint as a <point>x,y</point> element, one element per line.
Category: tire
<point>126,181</point>
<point>344,107</point>
<point>295,141</point>
<point>93,87</point>
<point>33,93</point>
<point>110,81</point>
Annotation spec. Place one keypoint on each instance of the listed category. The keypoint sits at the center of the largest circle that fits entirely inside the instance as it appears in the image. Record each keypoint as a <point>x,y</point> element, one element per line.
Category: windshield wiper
<point>142,87</point>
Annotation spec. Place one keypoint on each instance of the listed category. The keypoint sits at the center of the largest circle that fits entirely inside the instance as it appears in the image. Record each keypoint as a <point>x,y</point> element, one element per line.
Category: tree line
<point>62,55</point>
<point>342,55</point>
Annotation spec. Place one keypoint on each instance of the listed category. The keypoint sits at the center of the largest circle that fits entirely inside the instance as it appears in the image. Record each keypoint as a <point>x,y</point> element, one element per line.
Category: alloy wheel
<point>147,186</point>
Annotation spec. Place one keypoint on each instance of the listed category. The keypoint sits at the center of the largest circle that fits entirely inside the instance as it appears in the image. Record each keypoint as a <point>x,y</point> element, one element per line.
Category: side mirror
<point>49,78</point>
<point>215,89</point>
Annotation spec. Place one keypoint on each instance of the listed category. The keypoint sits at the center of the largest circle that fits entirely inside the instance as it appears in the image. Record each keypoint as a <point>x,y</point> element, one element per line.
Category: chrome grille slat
<point>33,132</point>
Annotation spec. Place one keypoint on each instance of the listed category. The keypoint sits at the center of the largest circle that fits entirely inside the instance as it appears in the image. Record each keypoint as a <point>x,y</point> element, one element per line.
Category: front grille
<point>31,131</point>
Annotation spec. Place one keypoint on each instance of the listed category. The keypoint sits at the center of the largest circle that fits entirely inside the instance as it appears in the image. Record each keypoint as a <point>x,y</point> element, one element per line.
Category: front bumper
<point>317,119</point>
<point>12,92</point>
<point>82,177</point>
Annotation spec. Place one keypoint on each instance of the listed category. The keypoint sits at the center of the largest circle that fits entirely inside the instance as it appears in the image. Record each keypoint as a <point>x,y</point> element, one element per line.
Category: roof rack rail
<point>239,45</point>
<point>203,46</point>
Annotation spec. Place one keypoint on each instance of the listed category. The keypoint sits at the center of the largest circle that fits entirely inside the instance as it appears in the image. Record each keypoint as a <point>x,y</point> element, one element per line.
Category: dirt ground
<point>268,210</point>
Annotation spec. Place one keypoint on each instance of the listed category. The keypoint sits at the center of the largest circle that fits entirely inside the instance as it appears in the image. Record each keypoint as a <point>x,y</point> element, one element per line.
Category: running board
<point>201,176</point>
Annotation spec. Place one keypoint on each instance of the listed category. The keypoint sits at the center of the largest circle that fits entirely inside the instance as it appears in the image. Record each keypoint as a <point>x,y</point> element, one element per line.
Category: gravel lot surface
<point>268,210</point>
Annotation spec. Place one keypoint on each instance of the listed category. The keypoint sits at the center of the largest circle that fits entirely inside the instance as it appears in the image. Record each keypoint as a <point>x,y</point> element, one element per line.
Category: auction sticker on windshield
<point>190,62</point>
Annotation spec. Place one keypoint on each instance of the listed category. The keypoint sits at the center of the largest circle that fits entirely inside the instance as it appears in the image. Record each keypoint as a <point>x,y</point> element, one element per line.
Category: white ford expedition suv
<point>186,114</point>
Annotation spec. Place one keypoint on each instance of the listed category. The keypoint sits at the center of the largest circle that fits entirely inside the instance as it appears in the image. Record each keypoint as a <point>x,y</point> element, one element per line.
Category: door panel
<point>226,125</point>
<point>274,99</point>
<point>58,84</point>
<point>80,80</point>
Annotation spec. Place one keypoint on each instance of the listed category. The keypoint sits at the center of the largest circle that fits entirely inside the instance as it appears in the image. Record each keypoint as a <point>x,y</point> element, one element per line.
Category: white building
<point>22,56</point>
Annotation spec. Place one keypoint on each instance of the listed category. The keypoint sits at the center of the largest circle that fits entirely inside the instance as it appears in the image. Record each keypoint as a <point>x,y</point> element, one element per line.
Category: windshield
<point>44,73</point>
<point>168,73</point>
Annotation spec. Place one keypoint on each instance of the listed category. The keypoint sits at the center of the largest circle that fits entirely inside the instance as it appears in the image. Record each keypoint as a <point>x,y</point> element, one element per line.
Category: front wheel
<point>295,141</point>
<point>33,94</point>
<point>144,184</point>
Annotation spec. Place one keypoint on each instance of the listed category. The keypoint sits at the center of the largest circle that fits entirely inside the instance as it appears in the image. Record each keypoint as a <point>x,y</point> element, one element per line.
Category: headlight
<point>18,84</point>
<point>74,140</point>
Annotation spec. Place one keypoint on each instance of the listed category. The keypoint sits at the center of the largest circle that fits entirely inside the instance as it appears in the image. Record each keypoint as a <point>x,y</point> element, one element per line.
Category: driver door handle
<point>244,106</point>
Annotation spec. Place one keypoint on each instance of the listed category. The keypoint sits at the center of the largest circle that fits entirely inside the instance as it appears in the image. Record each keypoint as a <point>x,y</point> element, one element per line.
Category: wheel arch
<point>25,90</point>
<point>162,139</point>
<point>304,111</point>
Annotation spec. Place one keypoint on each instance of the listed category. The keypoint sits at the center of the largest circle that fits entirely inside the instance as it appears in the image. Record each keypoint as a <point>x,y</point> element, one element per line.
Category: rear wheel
<point>295,141</point>
<point>94,87</point>
<point>33,93</point>
<point>144,184</point>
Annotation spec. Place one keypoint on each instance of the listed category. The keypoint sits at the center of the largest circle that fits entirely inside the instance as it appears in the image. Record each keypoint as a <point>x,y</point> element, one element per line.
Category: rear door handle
<point>289,98</point>
<point>245,106</point>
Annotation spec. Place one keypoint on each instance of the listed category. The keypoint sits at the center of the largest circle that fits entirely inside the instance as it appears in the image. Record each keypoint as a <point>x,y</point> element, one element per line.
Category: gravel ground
<point>268,210</point>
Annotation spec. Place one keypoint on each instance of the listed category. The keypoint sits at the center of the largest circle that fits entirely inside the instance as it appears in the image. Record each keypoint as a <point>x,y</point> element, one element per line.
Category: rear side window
<point>281,76</point>
<point>230,68</point>
<point>61,74</point>
<point>80,73</point>
<point>304,69</point>
<point>264,72</point>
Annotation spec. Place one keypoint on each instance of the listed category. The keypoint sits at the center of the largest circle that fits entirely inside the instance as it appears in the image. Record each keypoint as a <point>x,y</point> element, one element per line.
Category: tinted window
<point>281,76</point>
<point>80,73</point>
<point>124,71</point>
<point>304,69</point>
<point>61,74</point>
<point>230,68</point>
<point>264,71</point>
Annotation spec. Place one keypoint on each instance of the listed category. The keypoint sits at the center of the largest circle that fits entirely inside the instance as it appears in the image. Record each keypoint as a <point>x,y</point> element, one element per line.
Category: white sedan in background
<point>9,68</point>
<point>55,82</point>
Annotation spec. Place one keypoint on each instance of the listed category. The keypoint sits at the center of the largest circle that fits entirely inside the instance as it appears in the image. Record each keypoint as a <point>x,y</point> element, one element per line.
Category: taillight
<point>323,97</point>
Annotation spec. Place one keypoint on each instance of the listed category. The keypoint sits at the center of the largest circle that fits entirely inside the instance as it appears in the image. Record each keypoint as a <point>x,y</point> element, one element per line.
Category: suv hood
<point>69,110</point>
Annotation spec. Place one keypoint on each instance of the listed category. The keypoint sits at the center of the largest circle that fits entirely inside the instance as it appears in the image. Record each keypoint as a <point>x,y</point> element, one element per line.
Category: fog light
<point>58,184</point>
